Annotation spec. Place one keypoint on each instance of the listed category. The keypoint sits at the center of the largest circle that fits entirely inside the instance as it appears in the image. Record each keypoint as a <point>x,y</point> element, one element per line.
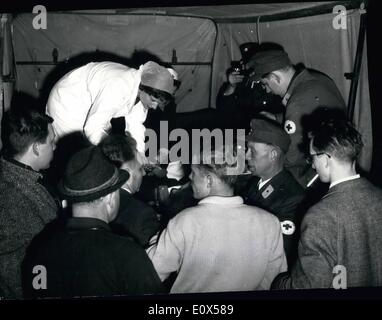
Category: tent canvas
<point>200,41</point>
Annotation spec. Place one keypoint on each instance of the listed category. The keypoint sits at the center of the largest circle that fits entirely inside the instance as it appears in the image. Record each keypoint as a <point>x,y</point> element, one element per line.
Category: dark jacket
<point>237,109</point>
<point>282,196</point>
<point>308,91</point>
<point>135,218</point>
<point>86,259</point>
<point>26,207</point>
<point>343,229</point>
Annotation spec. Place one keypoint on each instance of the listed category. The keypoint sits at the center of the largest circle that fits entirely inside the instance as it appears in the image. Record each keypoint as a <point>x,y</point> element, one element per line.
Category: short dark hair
<point>283,69</point>
<point>119,148</point>
<point>338,138</point>
<point>219,161</point>
<point>23,127</point>
<point>163,96</point>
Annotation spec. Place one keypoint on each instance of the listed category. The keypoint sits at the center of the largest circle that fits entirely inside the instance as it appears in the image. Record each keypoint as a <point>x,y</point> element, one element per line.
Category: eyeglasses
<point>309,158</point>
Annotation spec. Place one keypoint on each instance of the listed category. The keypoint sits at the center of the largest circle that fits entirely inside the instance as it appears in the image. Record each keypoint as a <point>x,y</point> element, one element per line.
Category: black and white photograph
<point>170,151</point>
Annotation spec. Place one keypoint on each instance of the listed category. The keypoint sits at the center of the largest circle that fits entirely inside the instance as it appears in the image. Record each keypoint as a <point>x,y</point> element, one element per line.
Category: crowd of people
<point>90,234</point>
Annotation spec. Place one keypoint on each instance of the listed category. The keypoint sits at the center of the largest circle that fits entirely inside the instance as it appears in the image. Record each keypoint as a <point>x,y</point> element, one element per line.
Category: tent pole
<point>357,67</point>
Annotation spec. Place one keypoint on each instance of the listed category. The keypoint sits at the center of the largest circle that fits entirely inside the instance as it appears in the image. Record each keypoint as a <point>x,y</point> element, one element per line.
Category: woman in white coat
<point>87,98</point>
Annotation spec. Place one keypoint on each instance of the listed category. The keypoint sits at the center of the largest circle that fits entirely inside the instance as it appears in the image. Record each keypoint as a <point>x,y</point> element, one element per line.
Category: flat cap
<point>270,132</point>
<point>267,61</point>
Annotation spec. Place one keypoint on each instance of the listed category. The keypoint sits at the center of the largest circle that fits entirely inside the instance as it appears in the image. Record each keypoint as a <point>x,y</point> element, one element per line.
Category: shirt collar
<point>356,176</point>
<point>262,183</point>
<point>87,224</point>
<point>126,188</point>
<point>20,164</point>
<point>234,200</point>
<point>287,94</point>
<point>36,174</point>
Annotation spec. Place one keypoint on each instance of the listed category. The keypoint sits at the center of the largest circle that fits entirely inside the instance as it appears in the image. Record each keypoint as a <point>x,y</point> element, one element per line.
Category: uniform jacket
<point>237,109</point>
<point>87,98</point>
<point>25,208</point>
<point>344,229</point>
<point>135,218</point>
<point>220,245</point>
<point>307,91</point>
<point>282,196</point>
<point>86,259</point>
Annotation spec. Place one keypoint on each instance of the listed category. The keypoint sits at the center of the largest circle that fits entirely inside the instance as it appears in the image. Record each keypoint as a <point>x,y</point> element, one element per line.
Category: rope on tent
<point>2,95</point>
<point>258,29</point>
<point>2,49</point>
<point>357,67</point>
<point>230,41</point>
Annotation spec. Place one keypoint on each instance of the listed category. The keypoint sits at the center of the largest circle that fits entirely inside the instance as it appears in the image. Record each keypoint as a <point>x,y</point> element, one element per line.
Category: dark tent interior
<point>201,58</point>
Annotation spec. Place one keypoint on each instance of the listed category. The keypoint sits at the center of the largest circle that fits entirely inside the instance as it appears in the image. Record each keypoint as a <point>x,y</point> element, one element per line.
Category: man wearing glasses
<point>340,243</point>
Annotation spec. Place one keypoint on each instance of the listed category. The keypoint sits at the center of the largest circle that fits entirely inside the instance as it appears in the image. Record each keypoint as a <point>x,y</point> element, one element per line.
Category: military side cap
<point>267,61</point>
<point>270,132</point>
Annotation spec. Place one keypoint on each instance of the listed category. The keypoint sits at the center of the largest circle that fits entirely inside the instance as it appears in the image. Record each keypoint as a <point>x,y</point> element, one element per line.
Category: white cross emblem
<point>287,227</point>
<point>289,127</point>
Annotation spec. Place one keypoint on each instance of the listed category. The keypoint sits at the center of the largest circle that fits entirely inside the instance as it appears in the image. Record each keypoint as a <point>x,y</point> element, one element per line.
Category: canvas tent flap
<point>313,42</point>
<point>203,47</point>
<point>86,37</point>
<point>7,72</point>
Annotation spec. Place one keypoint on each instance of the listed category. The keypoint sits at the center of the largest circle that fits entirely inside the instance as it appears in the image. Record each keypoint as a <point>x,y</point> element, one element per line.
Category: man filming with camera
<point>240,98</point>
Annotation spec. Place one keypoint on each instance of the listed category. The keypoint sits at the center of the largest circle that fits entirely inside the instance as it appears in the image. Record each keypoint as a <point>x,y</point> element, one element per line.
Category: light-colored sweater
<point>220,245</point>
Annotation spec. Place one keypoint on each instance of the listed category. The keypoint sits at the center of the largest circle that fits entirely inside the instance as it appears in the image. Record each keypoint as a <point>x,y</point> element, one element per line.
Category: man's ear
<point>108,200</point>
<point>276,76</point>
<point>35,148</point>
<point>273,154</point>
<point>209,181</point>
<point>327,160</point>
